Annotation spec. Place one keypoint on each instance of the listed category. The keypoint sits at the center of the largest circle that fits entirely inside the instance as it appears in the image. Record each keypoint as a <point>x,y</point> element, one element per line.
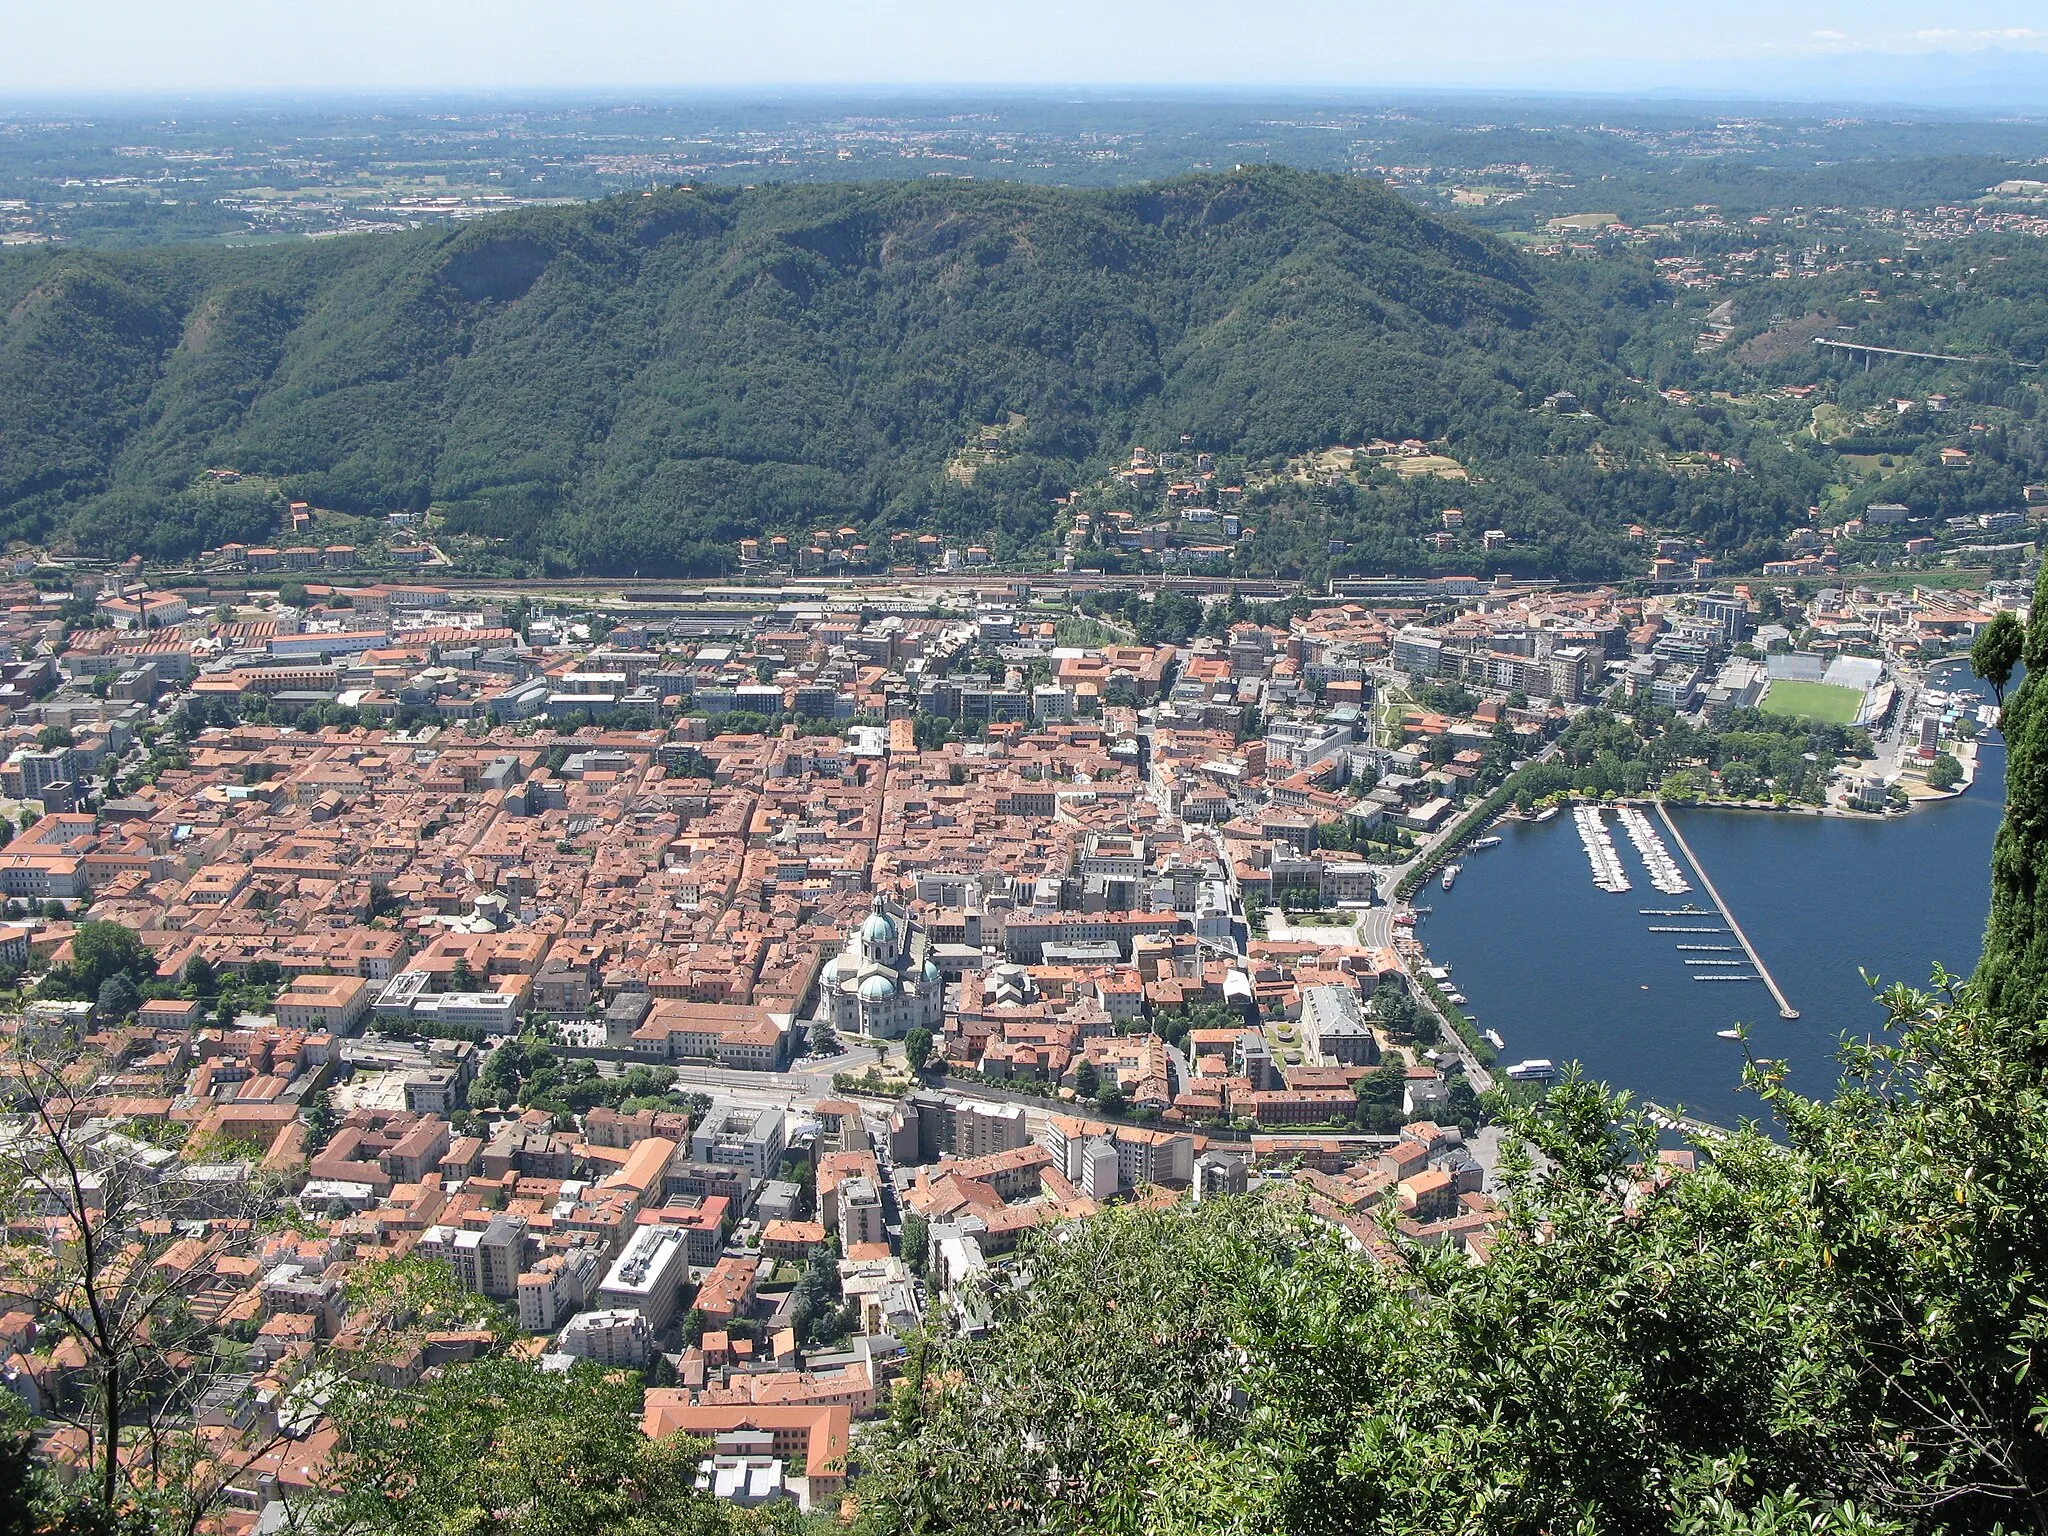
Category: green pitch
<point>1812,701</point>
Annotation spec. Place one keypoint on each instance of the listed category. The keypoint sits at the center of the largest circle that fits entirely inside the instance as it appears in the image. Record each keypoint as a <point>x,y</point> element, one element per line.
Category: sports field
<point>1812,701</point>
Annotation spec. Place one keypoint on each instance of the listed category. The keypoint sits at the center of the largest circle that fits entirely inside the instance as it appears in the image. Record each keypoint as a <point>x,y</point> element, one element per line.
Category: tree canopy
<point>500,1445</point>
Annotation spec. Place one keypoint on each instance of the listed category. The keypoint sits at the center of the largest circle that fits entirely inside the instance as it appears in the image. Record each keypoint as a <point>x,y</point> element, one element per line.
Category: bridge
<point>1932,357</point>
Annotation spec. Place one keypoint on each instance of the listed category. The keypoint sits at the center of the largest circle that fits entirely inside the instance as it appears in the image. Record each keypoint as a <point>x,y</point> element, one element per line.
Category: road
<point>642,589</point>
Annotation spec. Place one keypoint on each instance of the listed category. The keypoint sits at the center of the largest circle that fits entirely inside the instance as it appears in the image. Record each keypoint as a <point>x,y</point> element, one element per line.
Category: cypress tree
<point>2014,970</point>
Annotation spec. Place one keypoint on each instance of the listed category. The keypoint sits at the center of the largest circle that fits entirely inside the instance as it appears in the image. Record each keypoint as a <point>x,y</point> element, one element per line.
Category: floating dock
<point>1688,930</point>
<point>1665,874</point>
<point>1607,871</point>
<point>1785,1008</point>
<point>1674,1120</point>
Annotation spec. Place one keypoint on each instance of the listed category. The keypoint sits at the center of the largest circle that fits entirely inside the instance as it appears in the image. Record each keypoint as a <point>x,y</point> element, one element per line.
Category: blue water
<point>1565,970</point>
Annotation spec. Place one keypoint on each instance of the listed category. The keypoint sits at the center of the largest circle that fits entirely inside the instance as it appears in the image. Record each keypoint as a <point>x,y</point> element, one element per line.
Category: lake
<point>1568,971</point>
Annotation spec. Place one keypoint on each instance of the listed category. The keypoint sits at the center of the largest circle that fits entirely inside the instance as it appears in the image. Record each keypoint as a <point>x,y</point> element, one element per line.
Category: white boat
<point>1458,998</point>
<point>1608,874</point>
<point>1728,1034</point>
<point>1493,1039</point>
<point>1485,842</point>
<point>1451,874</point>
<point>1536,1069</point>
<point>1546,813</point>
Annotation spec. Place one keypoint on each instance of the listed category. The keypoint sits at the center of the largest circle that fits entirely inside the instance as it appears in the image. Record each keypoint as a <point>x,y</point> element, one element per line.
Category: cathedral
<point>885,983</point>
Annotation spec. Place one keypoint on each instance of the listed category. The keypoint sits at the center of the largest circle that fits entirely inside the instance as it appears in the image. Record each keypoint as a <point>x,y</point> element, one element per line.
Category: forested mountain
<point>630,385</point>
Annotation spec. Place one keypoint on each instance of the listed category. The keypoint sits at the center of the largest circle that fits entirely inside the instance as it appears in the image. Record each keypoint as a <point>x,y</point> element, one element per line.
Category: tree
<point>122,1253</point>
<point>917,1235</point>
<point>100,950</point>
<point>52,736</point>
<point>500,1445</point>
<point>814,1309</point>
<point>1380,1093</point>
<point>2014,966</point>
<point>917,1048</point>
<point>1681,786</point>
<point>1997,651</point>
<point>1944,772</point>
<point>461,978</point>
<point>201,978</point>
<point>118,998</point>
<point>1738,780</point>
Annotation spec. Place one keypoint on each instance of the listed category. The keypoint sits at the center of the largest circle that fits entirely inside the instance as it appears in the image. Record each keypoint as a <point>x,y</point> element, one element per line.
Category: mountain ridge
<point>635,383</point>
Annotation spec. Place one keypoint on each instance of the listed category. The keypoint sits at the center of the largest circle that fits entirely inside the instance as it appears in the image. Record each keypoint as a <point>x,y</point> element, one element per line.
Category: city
<point>726,983</point>
<point>1094,770</point>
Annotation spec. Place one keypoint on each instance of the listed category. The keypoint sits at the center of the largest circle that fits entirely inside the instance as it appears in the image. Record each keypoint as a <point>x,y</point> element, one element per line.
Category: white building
<point>648,1275</point>
<point>886,982</point>
<point>752,1139</point>
<point>619,1336</point>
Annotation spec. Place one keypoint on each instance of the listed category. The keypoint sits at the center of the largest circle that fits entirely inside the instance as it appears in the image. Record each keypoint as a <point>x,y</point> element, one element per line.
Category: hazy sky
<point>290,46</point>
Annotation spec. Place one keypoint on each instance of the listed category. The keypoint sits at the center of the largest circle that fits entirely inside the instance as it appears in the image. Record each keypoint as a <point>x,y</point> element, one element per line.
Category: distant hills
<point>631,385</point>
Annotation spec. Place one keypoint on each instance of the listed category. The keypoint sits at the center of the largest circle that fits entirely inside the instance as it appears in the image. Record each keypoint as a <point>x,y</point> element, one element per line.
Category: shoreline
<point>1847,813</point>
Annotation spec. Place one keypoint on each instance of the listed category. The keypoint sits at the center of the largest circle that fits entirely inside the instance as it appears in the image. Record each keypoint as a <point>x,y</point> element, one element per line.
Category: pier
<point>1688,930</point>
<point>1691,1125</point>
<point>1785,1008</point>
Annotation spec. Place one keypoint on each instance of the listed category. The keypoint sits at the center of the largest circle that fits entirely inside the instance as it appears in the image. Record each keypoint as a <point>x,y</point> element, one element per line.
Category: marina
<point>1593,836</point>
<point>1665,874</point>
<point>1567,975</point>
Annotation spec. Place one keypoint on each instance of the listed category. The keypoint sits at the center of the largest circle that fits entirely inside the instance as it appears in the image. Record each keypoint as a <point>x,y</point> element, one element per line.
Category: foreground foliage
<point>500,1446</point>
<point>1836,1333</point>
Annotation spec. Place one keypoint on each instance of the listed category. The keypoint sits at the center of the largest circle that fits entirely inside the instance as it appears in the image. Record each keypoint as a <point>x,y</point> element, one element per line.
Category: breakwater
<point>1785,1008</point>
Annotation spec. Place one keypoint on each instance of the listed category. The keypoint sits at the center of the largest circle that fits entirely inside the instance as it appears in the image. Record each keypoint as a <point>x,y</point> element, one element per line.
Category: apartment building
<point>617,1336</point>
<point>751,1139</point>
<point>648,1277</point>
<point>556,1288</point>
<point>335,1005</point>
